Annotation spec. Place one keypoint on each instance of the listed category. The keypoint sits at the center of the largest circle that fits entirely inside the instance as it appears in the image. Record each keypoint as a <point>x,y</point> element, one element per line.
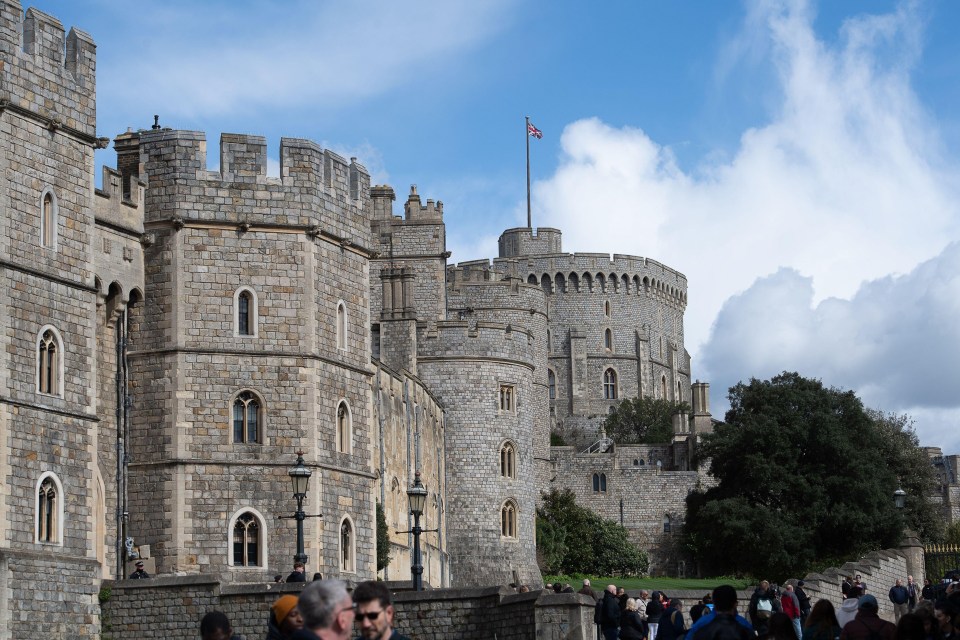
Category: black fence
<point>942,563</point>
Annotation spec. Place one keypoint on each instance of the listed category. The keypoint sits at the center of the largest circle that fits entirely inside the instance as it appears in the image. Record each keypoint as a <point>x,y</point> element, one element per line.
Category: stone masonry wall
<point>172,608</point>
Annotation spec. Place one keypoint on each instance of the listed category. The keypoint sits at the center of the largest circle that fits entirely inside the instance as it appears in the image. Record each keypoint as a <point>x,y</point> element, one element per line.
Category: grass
<point>663,584</point>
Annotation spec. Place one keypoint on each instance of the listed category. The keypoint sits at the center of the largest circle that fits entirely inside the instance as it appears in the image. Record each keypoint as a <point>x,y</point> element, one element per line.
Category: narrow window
<point>507,399</point>
<point>608,340</point>
<point>48,364</point>
<point>552,384</point>
<point>346,546</point>
<point>596,482</point>
<point>47,512</point>
<point>549,341</point>
<point>610,384</point>
<point>246,541</point>
<point>243,314</point>
<point>666,523</point>
<point>341,326</point>
<point>48,221</point>
<point>508,461</point>
<point>508,520</point>
<point>247,413</point>
<point>343,428</point>
<point>606,308</point>
<point>663,387</point>
<point>603,483</point>
<point>679,392</point>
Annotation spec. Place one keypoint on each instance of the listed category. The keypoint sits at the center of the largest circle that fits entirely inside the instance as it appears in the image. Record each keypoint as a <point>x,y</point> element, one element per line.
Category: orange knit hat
<point>283,607</point>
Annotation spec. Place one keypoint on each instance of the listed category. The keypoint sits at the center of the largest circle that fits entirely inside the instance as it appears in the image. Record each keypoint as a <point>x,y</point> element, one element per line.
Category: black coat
<point>632,626</point>
<point>609,610</point>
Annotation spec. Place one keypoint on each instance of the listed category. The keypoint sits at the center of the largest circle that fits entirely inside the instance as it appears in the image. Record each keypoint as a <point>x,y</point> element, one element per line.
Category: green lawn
<point>663,584</point>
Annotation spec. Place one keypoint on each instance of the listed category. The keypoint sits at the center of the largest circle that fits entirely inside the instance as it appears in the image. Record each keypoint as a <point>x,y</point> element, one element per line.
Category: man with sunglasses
<point>375,612</point>
<point>327,611</point>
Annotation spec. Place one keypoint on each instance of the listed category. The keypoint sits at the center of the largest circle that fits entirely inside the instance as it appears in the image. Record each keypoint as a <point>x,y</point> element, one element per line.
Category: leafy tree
<point>643,420</point>
<point>383,539</point>
<point>573,539</point>
<point>952,535</point>
<point>803,472</point>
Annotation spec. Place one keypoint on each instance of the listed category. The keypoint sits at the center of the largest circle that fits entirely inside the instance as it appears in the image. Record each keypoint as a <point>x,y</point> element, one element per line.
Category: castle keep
<point>172,340</point>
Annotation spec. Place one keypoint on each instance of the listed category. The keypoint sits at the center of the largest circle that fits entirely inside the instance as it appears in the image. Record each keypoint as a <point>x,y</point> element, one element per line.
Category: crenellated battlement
<point>47,75</point>
<point>523,241</point>
<point>317,188</point>
<point>414,210</point>
<point>113,207</point>
<point>462,339</point>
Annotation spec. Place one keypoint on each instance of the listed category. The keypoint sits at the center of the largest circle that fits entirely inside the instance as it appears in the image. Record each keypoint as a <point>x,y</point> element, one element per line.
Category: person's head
<point>139,565</point>
<point>789,587</point>
<point>823,616</point>
<point>800,583</point>
<point>899,582</point>
<point>374,610</point>
<point>286,615</point>
<point>764,585</point>
<point>298,566</point>
<point>707,599</point>
<point>620,591</point>
<point>215,626</point>
<point>724,599</point>
<point>868,604</point>
<point>909,579</point>
<point>278,578</point>
<point>586,582</point>
<point>645,595</point>
<point>910,627</point>
<point>942,614</point>
<point>676,603</point>
<point>926,581</point>
<point>325,604</point>
<point>781,627</point>
<point>557,587</point>
<point>631,604</point>
<point>612,589</point>
<point>924,611</point>
<point>858,578</point>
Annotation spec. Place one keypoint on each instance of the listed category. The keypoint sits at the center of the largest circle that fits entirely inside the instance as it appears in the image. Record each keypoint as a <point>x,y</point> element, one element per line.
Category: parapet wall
<point>317,189</point>
<point>523,241</point>
<point>45,73</point>
<point>452,339</point>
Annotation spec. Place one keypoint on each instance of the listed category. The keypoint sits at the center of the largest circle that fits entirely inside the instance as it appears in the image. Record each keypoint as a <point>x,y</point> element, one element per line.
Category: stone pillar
<point>912,548</point>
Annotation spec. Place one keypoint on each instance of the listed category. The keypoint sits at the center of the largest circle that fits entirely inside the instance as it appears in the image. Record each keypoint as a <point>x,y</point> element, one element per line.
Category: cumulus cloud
<point>845,184</point>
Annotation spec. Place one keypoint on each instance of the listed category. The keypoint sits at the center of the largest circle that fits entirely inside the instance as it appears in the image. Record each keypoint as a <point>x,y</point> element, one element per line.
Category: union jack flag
<point>533,131</point>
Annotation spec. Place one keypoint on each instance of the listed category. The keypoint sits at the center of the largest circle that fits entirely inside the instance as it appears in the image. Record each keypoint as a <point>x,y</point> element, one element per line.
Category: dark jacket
<point>632,626</point>
<point>139,574</point>
<point>587,591</point>
<point>867,626</point>
<point>672,625</point>
<point>722,626</point>
<point>928,592</point>
<point>297,576</point>
<point>761,622</point>
<point>609,610</point>
<point>654,608</point>
<point>804,600</point>
<point>899,594</point>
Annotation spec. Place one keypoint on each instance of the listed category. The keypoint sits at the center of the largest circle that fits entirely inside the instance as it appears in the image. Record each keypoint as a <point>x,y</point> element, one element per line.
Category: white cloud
<point>846,183</point>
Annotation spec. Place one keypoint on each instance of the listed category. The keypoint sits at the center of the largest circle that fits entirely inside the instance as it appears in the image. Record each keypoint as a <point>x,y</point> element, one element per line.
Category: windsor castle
<point>169,343</point>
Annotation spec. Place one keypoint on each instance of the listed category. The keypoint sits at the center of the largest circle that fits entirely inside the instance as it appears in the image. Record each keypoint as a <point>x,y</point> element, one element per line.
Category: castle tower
<point>71,264</point>
<point>254,344</point>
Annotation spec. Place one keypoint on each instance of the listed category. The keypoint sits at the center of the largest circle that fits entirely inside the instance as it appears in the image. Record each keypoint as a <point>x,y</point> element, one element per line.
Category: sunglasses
<point>371,615</point>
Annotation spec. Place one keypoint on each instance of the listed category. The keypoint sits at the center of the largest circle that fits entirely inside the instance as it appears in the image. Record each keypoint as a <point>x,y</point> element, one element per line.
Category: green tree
<point>804,473</point>
<point>573,539</point>
<point>952,535</point>
<point>643,420</point>
<point>383,539</point>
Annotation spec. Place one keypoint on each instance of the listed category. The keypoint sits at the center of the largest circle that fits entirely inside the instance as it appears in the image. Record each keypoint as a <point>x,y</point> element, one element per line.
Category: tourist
<point>328,611</point>
<point>587,590</point>
<point>849,607</point>
<point>609,618</point>
<point>285,618</point>
<point>911,627</point>
<point>867,624</point>
<point>216,626</point>
<point>722,623</point>
<point>763,604</point>
<point>632,626</point>
<point>654,611</point>
<point>298,574</point>
<point>672,625</point>
<point>791,606</point>
<point>375,612</point>
<point>780,627</point>
<point>914,590</point>
<point>804,601</point>
<point>822,622</point>
<point>900,597</point>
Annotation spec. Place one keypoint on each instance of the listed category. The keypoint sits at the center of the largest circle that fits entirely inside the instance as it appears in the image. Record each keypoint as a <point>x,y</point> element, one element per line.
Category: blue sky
<point>796,160</point>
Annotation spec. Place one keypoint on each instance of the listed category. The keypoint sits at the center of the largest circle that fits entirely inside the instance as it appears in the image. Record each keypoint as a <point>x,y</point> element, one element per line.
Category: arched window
<point>49,362</point>
<point>508,460</point>
<point>341,326</point>
<point>344,426</point>
<point>679,392</point>
<point>49,511</point>
<point>247,418</point>
<point>508,519</point>
<point>247,531</point>
<point>663,387</point>
<point>609,384</point>
<point>48,220</point>
<point>600,482</point>
<point>552,384</point>
<point>666,523</point>
<point>507,398</point>
<point>245,312</point>
<point>346,546</point>
<point>606,308</point>
<point>608,339</point>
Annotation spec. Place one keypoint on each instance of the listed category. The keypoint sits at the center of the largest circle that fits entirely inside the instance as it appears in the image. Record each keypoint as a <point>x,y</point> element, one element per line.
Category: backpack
<point>723,627</point>
<point>764,608</point>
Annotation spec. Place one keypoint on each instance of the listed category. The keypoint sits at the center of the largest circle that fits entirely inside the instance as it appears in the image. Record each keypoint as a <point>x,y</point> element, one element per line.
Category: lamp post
<point>418,499</point>
<point>900,498</point>
<point>300,477</point>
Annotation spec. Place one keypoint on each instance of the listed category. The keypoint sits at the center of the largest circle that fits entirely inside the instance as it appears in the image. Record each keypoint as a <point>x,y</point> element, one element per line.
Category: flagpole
<point>526,134</point>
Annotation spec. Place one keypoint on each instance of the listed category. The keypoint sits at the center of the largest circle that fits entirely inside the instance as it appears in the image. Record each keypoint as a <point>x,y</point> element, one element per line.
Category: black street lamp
<point>418,500</point>
<point>300,476</point>
<point>900,498</point>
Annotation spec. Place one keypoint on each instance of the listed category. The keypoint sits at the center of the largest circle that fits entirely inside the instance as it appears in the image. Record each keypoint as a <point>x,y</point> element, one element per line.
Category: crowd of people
<point>775,613</point>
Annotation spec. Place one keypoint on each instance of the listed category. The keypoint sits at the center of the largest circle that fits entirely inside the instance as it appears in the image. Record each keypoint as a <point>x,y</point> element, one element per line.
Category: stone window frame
<point>262,544</point>
<point>54,384</point>
<point>667,523</point>
<point>551,384</point>
<point>49,532</point>
<point>606,308</point>
<point>611,382</point>
<point>347,547</point>
<point>608,339</point>
<point>340,321</point>
<point>253,313</point>
<point>343,421</point>
<point>509,516</point>
<point>261,418</point>
<point>49,218</point>
<point>664,387</point>
<point>599,482</point>
<point>507,398</point>
<point>508,460</point>
<point>397,496</point>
